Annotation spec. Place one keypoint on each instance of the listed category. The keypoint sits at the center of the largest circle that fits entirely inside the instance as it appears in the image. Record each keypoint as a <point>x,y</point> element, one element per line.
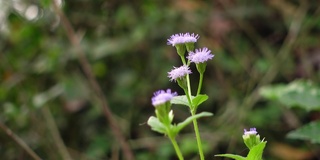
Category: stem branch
<point>200,83</point>
<point>19,141</point>
<point>52,126</point>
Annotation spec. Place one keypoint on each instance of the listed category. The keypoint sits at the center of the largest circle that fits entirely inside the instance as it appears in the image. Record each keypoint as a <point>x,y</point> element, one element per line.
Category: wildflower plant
<point>162,100</point>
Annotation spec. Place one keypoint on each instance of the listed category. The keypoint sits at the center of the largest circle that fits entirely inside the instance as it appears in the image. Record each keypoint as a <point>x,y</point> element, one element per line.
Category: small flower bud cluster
<point>184,42</point>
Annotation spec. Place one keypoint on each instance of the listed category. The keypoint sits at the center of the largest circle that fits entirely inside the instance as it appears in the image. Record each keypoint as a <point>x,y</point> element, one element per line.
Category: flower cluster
<point>199,56</point>
<point>162,100</point>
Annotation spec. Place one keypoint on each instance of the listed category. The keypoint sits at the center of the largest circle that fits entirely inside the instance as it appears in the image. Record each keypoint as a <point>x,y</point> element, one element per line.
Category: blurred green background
<point>44,93</point>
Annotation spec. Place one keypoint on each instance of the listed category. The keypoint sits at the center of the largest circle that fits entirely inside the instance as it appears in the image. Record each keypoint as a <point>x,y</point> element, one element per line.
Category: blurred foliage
<point>255,43</point>
<point>309,131</point>
<point>298,93</point>
<point>295,94</point>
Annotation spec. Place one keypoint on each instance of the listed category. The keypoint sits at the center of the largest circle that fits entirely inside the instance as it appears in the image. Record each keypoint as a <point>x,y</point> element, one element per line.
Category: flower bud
<point>251,138</point>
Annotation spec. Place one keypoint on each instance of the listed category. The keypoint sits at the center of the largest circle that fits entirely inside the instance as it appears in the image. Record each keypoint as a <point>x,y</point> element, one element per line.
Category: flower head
<point>161,97</point>
<point>200,56</point>
<point>252,131</point>
<point>182,38</point>
<point>179,72</point>
<point>191,38</point>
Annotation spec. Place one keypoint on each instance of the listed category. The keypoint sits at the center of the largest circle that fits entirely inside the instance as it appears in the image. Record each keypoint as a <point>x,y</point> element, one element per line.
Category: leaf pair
<point>173,129</point>
<point>196,101</point>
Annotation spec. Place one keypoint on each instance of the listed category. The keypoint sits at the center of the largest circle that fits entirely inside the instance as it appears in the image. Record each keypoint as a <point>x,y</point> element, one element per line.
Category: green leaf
<point>156,125</point>
<point>256,152</point>
<point>196,101</point>
<point>182,100</point>
<point>307,132</point>
<point>191,118</point>
<point>233,156</point>
<point>300,93</point>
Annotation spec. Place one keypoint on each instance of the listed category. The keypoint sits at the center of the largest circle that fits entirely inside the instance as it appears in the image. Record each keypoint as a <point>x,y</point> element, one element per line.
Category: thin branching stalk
<point>19,141</point>
<point>52,126</point>
<point>87,68</point>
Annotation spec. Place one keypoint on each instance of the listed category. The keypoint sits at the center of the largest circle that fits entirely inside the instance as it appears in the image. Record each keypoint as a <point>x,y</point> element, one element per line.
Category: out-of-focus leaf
<point>300,93</point>
<point>40,99</point>
<point>308,132</point>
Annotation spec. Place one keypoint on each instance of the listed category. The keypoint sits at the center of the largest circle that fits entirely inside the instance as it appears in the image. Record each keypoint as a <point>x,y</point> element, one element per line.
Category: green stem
<point>176,148</point>
<point>196,130</point>
<point>189,98</point>
<point>193,110</point>
<point>183,60</point>
<point>189,88</point>
<point>188,79</point>
<point>200,84</point>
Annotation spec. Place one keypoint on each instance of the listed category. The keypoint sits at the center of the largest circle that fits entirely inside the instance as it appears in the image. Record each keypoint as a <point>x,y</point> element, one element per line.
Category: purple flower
<point>200,56</point>
<point>161,97</point>
<point>191,38</point>
<point>252,131</point>
<point>182,38</point>
<point>179,72</point>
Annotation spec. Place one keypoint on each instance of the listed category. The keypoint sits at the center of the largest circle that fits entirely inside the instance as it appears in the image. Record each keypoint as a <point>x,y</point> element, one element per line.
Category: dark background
<point>255,43</point>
